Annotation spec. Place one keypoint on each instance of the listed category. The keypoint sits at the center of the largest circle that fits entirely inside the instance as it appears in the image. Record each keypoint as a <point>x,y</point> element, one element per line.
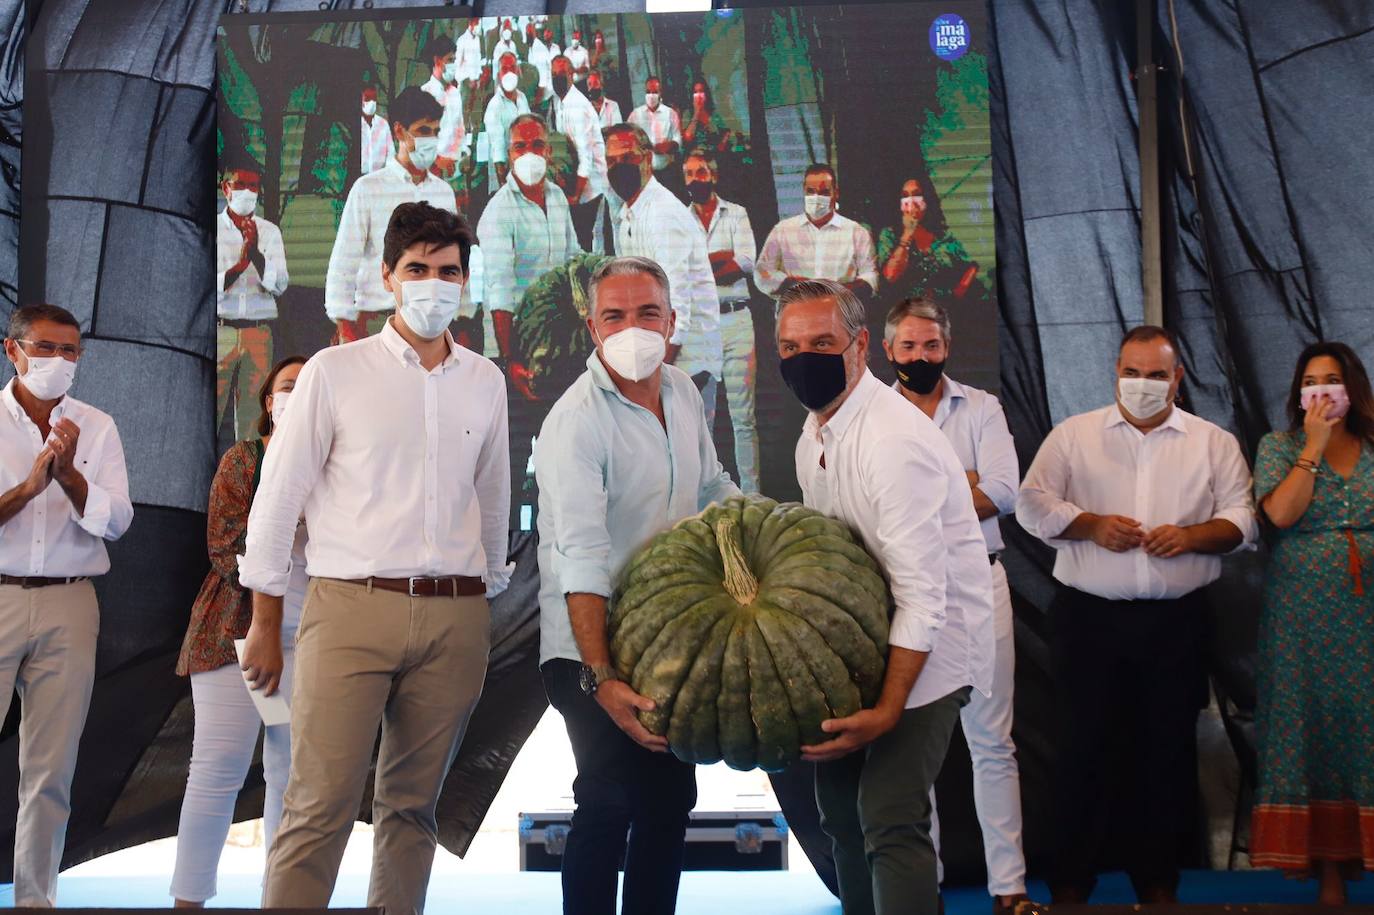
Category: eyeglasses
<point>47,349</point>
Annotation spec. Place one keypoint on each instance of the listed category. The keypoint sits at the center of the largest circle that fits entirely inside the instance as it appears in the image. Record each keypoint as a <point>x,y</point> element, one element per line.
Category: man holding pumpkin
<point>862,451</point>
<point>624,454</point>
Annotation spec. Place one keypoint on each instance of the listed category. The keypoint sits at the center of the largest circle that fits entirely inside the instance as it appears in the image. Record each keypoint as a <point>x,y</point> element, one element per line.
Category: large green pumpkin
<point>551,326</point>
<point>748,625</point>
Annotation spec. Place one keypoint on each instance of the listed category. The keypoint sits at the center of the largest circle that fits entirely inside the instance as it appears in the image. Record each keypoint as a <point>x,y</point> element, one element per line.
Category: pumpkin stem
<point>739,581</point>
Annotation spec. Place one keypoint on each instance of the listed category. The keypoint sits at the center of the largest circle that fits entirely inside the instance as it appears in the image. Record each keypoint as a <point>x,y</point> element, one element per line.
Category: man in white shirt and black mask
<point>396,453</point>
<point>1140,499</point>
<point>67,493</point>
<point>867,458</point>
<point>917,344</point>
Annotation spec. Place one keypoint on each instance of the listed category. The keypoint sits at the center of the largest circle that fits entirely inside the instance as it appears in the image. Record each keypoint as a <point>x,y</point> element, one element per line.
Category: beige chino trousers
<point>367,657</point>
<point>47,653</point>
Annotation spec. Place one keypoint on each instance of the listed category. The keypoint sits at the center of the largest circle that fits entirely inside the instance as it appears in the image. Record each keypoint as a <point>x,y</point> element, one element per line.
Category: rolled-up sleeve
<point>341,277</point>
<point>1231,487</point>
<point>496,235</point>
<point>909,488</point>
<point>744,245</point>
<point>492,482</point>
<point>865,258</point>
<point>569,466</point>
<point>290,470</point>
<point>1041,507</point>
<point>674,244</point>
<point>275,277</point>
<point>769,272</point>
<point>998,472</point>
<point>109,512</point>
<point>716,485</point>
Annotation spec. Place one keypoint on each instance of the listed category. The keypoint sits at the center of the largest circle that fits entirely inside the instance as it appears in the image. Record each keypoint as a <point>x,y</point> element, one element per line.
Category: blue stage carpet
<point>703,893</point>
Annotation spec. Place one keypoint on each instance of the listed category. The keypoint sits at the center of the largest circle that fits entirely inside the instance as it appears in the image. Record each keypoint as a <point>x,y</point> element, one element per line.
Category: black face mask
<point>594,94</point>
<point>700,191</point>
<point>560,85</point>
<point>816,378</point>
<point>625,179</point>
<point>919,376</point>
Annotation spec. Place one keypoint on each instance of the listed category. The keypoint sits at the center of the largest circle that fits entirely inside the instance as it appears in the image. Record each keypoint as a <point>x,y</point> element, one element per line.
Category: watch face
<point>587,680</point>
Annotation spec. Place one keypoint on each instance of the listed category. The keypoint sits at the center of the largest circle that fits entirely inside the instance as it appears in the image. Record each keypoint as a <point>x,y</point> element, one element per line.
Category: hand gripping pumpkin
<point>748,625</point>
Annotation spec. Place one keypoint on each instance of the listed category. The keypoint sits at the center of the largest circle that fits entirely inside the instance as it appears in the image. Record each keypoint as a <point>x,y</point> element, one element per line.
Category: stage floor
<point>703,893</point>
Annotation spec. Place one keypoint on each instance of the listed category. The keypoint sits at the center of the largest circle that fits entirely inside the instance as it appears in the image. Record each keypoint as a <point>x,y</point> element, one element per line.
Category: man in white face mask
<point>623,455</point>
<point>663,125</point>
<point>66,493</point>
<point>818,244</point>
<point>445,87</point>
<point>250,265</point>
<point>1140,499</point>
<point>378,147</point>
<point>397,622</point>
<point>355,298</point>
<point>505,106</point>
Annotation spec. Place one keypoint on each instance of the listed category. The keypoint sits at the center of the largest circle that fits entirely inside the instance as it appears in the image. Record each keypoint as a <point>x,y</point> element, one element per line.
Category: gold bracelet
<point>1310,466</point>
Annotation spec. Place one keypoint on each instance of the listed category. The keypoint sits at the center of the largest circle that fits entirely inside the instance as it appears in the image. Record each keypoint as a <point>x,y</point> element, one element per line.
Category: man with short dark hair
<point>396,454</point>
<point>1140,499</point>
<point>818,244</point>
<point>71,496</point>
<point>355,297</point>
<point>623,455</point>
<point>250,264</point>
<point>573,116</point>
<point>505,106</point>
<point>378,147</point>
<point>663,126</point>
<point>868,459</point>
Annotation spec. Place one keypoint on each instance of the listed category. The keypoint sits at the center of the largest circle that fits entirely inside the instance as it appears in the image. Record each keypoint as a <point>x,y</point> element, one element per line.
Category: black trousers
<point>1129,682</point>
<point>630,801</point>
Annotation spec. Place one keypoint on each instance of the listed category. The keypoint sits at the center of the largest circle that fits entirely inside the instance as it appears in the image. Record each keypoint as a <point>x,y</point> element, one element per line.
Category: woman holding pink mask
<point>1314,807</point>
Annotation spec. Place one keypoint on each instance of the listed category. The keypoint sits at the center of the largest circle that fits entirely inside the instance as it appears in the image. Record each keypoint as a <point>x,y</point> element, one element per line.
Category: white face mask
<point>505,34</point>
<point>1143,397</point>
<point>509,81</point>
<point>651,99</point>
<point>242,202</point>
<point>913,204</point>
<point>634,353</point>
<point>429,306</point>
<point>48,378</point>
<point>577,43</point>
<point>450,72</point>
<point>529,168</point>
<point>425,152</point>
<point>817,206</point>
<point>279,406</point>
<point>370,107</point>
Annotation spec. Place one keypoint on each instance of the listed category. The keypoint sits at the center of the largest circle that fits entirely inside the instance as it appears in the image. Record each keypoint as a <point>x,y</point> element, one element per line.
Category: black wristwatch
<point>589,678</point>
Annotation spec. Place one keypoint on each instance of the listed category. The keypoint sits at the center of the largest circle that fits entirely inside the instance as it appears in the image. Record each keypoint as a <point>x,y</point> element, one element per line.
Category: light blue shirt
<point>522,241</point>
<point>610,478</point>
<point>974,423</point>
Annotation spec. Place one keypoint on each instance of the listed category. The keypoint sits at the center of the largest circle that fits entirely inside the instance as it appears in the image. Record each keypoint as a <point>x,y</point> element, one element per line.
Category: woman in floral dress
<point>1314,809</point>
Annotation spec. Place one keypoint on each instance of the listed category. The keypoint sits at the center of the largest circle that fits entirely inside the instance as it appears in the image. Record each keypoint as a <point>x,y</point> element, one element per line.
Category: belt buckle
<point>410,582</point>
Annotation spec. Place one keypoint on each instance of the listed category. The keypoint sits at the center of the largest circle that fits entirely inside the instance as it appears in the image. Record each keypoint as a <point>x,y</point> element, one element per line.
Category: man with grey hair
<point>916,342</point>
<point>623,455</point>
<point>652,223</point>
<point>70,495</point>
<point>867,458</point>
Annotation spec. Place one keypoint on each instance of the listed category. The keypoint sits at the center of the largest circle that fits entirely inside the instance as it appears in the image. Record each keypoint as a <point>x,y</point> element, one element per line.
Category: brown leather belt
<point>422,586</point>
<point>242,323</point>
<point>732,307</point>
<point>34,581</point>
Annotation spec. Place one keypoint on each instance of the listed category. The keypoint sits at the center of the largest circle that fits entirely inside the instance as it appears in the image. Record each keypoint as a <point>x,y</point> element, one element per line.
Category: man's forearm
<point>1215,536</point>
<point>904,667</point>
<point>983,505</point>
<point>76,489</point>
<point>502,322</point>
<point>1080,528</point>
<point>267,611</point>
<point>13,502</point>
<point>587,612</point>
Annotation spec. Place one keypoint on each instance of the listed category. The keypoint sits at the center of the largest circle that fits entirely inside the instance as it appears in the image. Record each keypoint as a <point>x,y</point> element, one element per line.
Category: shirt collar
<point>650,191</point>
<point>1175,422</point>
<point>397,170</point>
<point>17,411</point>
<point>837,221</point>
<point>396,345</point>
<point>602,378</point>
<point>853,405</point>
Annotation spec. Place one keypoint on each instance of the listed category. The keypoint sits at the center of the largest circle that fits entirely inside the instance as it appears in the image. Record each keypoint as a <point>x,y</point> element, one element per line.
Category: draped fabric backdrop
<point>1268,225</point>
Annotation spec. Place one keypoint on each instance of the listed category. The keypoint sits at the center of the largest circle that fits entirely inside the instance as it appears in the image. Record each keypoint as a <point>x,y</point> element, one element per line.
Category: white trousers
<point>996,780</point>
<point>226,734</point>
<point>740,371</point>
<point>47,652</point>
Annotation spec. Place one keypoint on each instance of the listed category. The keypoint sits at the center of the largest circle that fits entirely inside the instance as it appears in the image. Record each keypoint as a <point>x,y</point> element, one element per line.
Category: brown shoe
<point>1006,905</point>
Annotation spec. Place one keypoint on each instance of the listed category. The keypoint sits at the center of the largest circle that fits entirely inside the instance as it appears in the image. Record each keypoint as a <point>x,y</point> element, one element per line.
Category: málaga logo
<point>949,37</point>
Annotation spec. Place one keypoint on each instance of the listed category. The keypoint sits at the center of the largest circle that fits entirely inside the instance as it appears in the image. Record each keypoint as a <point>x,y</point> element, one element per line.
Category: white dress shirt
<point>660,227</point>
<point>579,58</point>
<point>1184,472</point>
<point>841,250</point>
<point>521,242</point>
<point>892,476</point>
<point>398,471</point>
<point>609,113</point>
<point>502,48</point>
<point>251,297</point>
<point>497,119</point>
<point>353,282</point>
<point>378,148</point>
<point>452,133</point>
<point>976,427</point>
<point>47,538</point>
<point>661,124</point>
<point>729,230</point>
<point>467,56</point>
<point>575,117</point>
<point>611,477</point>
<point>541,58</point>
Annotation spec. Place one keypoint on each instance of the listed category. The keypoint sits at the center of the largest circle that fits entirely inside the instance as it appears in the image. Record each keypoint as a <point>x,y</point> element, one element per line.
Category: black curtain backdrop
<point>1268,224</point>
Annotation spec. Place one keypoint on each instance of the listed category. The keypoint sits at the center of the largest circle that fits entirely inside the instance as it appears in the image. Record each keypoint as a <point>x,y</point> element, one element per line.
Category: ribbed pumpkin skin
<point>748,625</point>
<point>551,326</point>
